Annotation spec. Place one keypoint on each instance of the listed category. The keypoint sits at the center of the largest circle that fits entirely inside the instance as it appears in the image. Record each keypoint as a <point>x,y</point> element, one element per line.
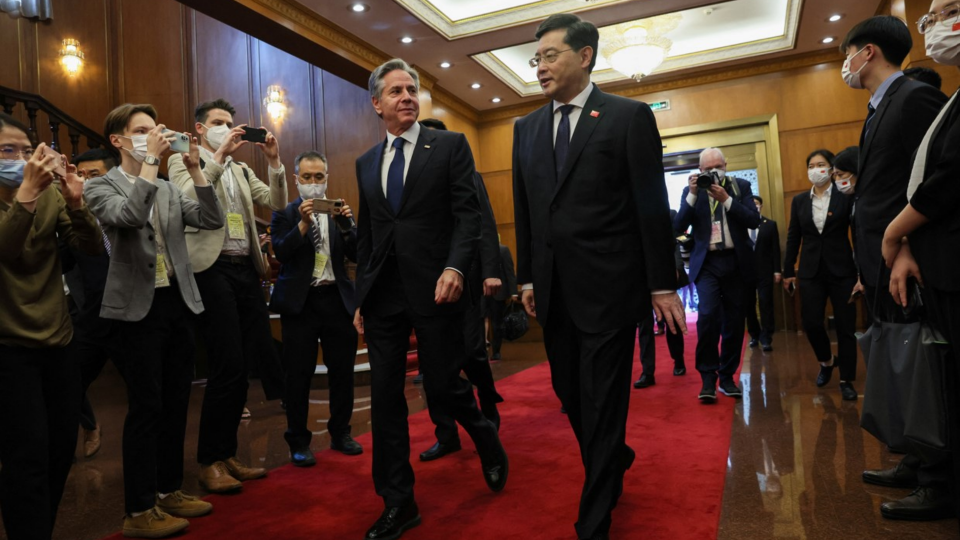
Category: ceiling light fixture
<point>835,18</point>
<point>827,40</point>
<point>358,7</point>
<point>406,40</point>
<point>475,85</point>
<point>636,48</point>
<point>495,100</point>
<point>445,65</point>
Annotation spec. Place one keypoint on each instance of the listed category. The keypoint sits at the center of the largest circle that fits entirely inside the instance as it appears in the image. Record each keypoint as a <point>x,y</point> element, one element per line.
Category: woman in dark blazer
<point>820,222</point>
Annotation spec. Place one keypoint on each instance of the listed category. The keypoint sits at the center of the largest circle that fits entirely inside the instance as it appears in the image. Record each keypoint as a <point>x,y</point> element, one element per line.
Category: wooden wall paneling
<point>817,96</point>
<point>457,122</point>
<point>496,145</point>
<point>27,38</point>
<point>10,45</point>
<point>500,189</point>
<point>351,127</point>
<point>319,114</point>
<point>796,145</point>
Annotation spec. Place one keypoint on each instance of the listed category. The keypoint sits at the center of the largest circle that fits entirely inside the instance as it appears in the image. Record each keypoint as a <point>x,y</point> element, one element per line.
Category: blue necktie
<point>395,176</point>
<point>562,146</point>
<point>866,124</point>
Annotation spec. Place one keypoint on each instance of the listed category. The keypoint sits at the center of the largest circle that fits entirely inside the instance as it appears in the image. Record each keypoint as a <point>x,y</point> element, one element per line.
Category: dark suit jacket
<point>296,255</point>
<point>506,275</point>
<point>767,250</point>
<point>486,263</point>
<point>937,199</point>
<point>830,249</point>
<point>742,215</point>
<point>600,234</point>
<point>87,277</point>
<point>436,227</point>
<point>906,111</point>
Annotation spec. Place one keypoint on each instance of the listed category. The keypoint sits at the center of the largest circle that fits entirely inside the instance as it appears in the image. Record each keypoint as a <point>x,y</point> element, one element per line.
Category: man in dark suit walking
<point>766,249</point>
<point>595,243</point>
<point>496,305</point>
<point>722,265</point>
<point>418,227</point>
<point>899,114</point>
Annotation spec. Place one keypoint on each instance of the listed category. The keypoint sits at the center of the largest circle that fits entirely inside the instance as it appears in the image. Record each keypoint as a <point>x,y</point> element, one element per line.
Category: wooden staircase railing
<point>32,104</point>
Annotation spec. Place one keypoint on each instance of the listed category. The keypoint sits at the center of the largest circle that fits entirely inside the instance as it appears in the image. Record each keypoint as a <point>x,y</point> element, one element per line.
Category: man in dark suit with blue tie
<point>722,265</point>
<point>594,248</point>
<point>418,228</point>
<point>766,248</point>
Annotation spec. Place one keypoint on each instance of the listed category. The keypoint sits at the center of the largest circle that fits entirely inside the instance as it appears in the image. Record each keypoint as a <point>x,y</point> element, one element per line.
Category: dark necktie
<point>562,146</point>
<point>866,125</point>
<point>395,176</point>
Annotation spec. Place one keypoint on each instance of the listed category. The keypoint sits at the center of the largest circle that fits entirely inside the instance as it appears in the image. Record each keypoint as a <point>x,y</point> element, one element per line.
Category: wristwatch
<point>152,160</point>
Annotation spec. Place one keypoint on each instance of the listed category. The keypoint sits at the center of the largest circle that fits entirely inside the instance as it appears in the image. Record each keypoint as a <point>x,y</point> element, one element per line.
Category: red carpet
<point>673,491</point>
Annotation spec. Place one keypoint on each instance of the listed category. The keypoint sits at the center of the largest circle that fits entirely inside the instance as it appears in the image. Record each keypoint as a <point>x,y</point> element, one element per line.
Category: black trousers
<point>648,349</point>
<point>325,318</point>
<point>477,369</point>
<point>157,366</point>
<point>760,329</point>
<point>94,342</point>
<point>497,311</point>
<point>720,287</point>
<point>814,294</point>
<point>236,327</point>
<point>590,374</point>
<point>39,407</point>
<point>388,321</point>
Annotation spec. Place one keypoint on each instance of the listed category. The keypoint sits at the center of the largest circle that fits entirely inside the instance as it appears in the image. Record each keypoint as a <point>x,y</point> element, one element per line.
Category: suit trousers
<point>498,310</point>
<point>813,297</point>
<point>157,367</point>
<point>91,350</point>
<point>477,369</point>
<point>720,287</point>
<point>325,318</point>
<point>388,320</point>
<point>39,409</point>
<point>236,328</point>
<point>648,349</point>
<point>590,374</point>
<point>760,329</point>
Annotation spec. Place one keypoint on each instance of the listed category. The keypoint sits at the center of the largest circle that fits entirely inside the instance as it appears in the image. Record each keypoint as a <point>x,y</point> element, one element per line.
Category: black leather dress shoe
<point>825,373</point>
<point>302,457</point>
<point>346,445</point>
<point>438,450</point>
<point>679,369</point>
<point>730,388</point>
<point>495,467</point>
<point>393,522</point>
<point>626,461</point>
<point>898,477</point>
<point>848,392</point>
<point>708,394</point>
<point>753,343</point>
<point>924,504</point>
<point>645,381</point>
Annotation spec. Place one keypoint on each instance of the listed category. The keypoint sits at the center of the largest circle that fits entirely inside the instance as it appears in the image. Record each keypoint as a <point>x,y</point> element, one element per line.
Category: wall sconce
<point>71,57</point>
<point>274,102</point>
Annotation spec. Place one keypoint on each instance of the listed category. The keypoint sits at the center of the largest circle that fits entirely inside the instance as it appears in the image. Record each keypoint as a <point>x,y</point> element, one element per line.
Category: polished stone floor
<point>794,466</point>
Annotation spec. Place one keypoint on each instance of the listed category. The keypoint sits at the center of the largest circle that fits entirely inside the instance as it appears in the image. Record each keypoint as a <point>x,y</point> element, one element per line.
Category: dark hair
<point>204,109</point>
<point>758,199</point>
<point>433,123</point>
<point>822,152</point>
<point>848,160</point>
<point>309,154</point>
<point>887,32</point>
<point>117,119</point>
<point>8,121</point>
<point>580,33</point>
<point>97,154</point>
<point>924,75</point>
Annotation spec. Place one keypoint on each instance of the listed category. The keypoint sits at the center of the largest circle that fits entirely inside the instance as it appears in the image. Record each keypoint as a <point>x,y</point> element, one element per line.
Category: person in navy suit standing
<point>315,299</point>
<point>721,265</point>
<point>418,227</point>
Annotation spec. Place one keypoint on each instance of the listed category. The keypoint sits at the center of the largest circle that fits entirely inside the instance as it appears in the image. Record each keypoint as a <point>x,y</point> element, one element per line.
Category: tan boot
<point>243,473</point>
<point>216,478</point>
<point>91,441</point>
<point>152,524</point>
<point>180,504</point>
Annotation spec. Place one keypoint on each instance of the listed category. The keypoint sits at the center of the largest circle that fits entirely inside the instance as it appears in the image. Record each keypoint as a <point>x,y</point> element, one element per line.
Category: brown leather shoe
<point>216,478</point>
<point>243,473</point>
<point>152,524</point>
<point>180,504</point>
<point>91,442</point>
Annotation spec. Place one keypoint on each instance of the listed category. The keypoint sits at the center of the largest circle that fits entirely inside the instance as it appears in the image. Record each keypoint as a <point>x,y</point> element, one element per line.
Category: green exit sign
<point>660,105</point>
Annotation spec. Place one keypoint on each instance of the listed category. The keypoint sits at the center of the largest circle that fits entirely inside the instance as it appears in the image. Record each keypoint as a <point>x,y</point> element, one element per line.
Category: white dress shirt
<point>578,104</point>
<point>411,135</point>
<point>321,227</point>
<point>727,204</point>
<point>821,204</point>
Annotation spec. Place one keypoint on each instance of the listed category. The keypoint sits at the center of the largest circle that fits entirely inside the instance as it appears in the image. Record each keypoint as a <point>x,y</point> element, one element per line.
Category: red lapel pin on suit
<point>594,113</point>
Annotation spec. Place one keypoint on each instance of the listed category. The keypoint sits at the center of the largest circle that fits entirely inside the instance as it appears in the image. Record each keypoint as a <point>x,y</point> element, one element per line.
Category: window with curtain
<point>41,9</point>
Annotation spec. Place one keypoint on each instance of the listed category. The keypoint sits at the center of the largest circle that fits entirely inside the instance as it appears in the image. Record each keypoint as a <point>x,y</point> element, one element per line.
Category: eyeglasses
<point>948,17</point>
<point>548,58</point>
<point>11,153</point>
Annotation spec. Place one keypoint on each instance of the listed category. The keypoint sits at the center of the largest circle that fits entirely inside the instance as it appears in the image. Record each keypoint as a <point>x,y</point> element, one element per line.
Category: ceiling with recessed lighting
<point>466,43</point>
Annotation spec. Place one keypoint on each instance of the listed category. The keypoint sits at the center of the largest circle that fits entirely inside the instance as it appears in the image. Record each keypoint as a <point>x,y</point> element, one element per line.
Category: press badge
<point>716,233</point>
<point>161,280</point>
<point>319,263</point>
<point>235,226</point>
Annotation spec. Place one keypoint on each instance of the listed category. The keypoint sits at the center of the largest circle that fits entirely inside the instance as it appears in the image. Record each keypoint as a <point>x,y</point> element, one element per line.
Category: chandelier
<point>636,48</point>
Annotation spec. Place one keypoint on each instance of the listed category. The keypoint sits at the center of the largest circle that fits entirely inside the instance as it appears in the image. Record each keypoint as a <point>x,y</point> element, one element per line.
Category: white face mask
<point>215,135</point>
<point>818,177</point>
<point>943,44</point>
<point>312,191</point>
<point>845,186</point>
<point>139,151</point>
<point>721,173</point>
<point>850,77</point>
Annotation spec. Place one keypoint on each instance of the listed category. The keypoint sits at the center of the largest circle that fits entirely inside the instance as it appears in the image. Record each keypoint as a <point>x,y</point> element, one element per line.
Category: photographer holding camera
<point>721,265</point>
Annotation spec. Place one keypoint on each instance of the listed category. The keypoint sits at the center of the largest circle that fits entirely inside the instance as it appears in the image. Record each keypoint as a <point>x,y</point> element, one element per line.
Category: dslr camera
<point>707,179</point>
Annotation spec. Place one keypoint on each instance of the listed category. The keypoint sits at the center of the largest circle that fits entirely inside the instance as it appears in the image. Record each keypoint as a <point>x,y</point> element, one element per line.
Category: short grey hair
<point>375,84</point>
<point>707,151</point>
<point>309,154</point>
